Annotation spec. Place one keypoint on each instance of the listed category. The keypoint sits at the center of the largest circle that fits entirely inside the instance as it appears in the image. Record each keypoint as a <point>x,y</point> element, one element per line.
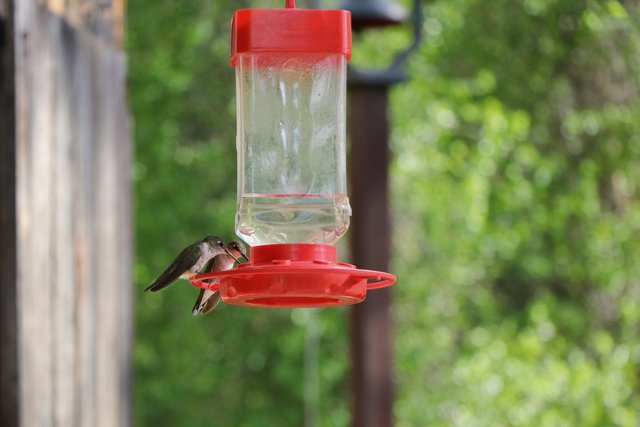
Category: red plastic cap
<point>290,30</point>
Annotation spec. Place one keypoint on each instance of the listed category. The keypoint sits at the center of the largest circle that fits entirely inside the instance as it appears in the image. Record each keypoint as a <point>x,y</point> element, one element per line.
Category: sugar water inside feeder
<point>285,218</point>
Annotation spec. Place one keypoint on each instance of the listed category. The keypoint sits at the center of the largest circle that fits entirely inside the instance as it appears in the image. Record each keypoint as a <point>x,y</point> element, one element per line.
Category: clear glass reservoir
<point>291,148</point>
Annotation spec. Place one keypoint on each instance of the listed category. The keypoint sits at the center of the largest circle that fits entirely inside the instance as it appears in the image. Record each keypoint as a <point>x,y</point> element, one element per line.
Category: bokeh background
<point>516,214</point>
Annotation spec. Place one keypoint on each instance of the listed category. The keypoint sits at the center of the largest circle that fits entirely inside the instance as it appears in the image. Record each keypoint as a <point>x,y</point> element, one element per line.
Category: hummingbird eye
<point>220,243</point>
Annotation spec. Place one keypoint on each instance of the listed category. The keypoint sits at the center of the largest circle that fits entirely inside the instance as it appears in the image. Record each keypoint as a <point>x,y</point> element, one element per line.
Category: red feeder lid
<point>290,30</point>
<point>293,275</point>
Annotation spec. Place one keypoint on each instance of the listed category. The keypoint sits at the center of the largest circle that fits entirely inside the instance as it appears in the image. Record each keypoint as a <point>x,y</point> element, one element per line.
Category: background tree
<point>515,187</point>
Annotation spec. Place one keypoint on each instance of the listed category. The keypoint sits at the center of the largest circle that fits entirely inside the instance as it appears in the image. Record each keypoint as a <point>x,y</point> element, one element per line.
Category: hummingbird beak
<point>243,255</point>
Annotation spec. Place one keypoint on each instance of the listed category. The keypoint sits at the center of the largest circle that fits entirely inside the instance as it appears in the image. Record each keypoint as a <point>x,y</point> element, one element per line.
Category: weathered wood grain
<point>65,221</point>
<point>8,308</point>
<point>103,18</point>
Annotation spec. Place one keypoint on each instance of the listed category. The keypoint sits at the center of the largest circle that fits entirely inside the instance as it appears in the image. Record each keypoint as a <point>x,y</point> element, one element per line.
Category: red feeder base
<point>293,275</point>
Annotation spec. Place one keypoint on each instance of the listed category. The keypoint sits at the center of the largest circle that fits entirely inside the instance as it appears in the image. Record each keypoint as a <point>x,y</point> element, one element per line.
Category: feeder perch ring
<point>293,275</point>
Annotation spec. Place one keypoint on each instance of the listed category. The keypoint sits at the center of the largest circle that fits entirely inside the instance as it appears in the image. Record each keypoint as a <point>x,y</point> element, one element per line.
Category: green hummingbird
<point>189,262</point>
<point>208,299</point>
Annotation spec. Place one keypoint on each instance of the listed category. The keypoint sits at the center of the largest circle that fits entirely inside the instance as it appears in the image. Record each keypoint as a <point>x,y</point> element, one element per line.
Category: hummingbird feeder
<point>291,142</point>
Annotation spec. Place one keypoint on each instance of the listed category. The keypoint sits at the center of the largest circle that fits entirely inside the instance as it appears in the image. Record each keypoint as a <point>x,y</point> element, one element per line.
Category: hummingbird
<point>208,299</point>
<point>189,262</point>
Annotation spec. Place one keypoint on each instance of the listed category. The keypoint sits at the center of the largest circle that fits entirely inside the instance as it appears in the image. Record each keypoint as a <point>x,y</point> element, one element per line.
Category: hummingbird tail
<point>207,301</point>
<point>197,307</point>
<point>158,285</point>
<point>165,279</point>
<point>211,303</point>
<point>155,287</point>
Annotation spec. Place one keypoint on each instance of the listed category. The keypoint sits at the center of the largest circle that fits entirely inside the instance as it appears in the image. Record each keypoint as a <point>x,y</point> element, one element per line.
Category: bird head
<point>215,243</point>
<point>236,250</point>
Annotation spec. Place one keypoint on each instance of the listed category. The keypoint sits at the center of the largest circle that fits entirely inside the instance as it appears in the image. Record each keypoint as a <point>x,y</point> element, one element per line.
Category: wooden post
<point>371,326</point>
<point>8,309</point>
<point>65,220</point>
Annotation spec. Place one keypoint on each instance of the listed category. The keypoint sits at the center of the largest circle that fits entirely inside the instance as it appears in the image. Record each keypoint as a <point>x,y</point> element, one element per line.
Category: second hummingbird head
<point>236,250</point>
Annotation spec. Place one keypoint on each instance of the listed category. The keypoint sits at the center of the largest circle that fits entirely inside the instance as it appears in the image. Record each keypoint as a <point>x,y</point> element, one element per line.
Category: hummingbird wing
<point>183,262</point>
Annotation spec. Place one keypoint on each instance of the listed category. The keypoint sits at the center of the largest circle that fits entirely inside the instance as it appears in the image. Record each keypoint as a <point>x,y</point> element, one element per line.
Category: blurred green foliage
<point>516,212</point>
